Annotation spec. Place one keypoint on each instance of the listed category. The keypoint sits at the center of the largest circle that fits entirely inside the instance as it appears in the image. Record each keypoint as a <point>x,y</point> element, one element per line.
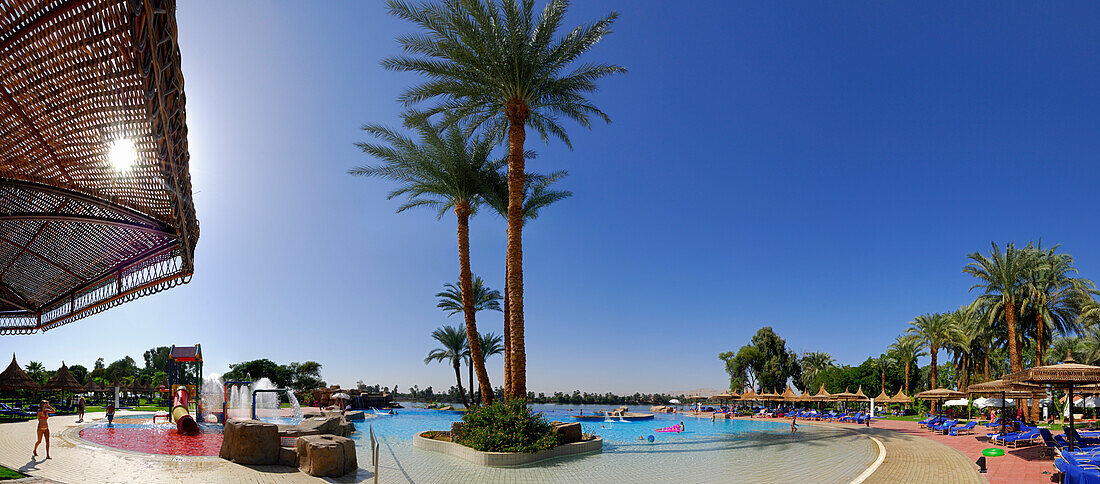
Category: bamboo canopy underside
<point>95,190</point>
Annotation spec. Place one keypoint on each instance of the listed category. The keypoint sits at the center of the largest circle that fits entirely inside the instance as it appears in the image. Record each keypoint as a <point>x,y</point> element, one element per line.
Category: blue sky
<point>822,168</point>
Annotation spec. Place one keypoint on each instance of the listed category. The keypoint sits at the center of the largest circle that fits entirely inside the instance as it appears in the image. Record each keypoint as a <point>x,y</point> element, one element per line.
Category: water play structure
<point>182,393</point>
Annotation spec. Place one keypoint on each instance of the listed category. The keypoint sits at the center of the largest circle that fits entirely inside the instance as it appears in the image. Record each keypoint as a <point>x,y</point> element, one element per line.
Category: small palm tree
<point>967,327</point>
<point>500,67</point>
<point>884,363</point>
<point>812,363</point>
<point>490,345</point>
<point>485,298</point>
<point>1001,278</point>
<point>453,349</point>
<point>37,371</point>
<point>906,349</point>
<point>443,170</point>
<point>937,331</point>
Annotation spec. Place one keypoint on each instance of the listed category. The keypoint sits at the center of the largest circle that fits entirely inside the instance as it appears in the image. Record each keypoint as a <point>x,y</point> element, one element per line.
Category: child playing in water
<point>794,424</point>
<point>111,412</point>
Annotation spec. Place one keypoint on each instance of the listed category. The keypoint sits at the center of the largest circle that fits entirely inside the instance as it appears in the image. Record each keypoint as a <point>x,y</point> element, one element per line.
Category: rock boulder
<point>250,442</point>
<point>326,455</point>
<point>568,432</point>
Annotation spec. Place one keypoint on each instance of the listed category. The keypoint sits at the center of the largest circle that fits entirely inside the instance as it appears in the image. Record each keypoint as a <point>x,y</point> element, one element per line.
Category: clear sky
<point>822,168</point>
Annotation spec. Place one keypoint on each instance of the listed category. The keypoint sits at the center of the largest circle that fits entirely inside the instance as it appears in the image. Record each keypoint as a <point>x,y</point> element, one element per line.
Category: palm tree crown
<point>453,348</point>
<point>485,298</point>
<point>937,331</point>
<point>1001,279</point>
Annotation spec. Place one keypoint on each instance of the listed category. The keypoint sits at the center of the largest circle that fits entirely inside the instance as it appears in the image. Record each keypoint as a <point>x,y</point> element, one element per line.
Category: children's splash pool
<point>138,433</point>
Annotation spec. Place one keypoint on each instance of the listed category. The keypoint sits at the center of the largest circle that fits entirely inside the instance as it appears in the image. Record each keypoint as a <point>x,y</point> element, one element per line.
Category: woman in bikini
<point>44,411</point>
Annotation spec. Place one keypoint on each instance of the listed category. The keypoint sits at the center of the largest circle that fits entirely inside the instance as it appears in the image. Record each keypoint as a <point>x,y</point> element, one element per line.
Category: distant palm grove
<point>1030,307</point>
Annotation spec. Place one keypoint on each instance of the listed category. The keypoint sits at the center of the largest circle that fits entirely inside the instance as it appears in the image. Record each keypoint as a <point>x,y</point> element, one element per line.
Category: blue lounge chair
<point>1022,438</point>
<point>944,427</point>
<point>965,429</point>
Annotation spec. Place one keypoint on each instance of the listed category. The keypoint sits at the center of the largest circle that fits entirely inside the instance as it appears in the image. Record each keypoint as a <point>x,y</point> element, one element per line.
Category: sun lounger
<point>1022,438</point>
<point>964,429</point>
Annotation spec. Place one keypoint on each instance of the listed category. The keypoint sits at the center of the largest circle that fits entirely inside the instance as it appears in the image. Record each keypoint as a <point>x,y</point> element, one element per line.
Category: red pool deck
<point>1023,465</point>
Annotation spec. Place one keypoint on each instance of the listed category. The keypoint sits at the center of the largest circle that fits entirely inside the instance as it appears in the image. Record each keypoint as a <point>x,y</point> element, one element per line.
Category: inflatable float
<point>674,428</point>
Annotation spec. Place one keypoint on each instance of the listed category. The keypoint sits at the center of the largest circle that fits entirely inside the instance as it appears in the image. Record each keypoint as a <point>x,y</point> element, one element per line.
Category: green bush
<point>506,426</point>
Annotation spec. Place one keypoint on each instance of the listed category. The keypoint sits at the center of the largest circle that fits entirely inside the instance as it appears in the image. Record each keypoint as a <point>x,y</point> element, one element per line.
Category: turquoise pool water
<point>720,451</point>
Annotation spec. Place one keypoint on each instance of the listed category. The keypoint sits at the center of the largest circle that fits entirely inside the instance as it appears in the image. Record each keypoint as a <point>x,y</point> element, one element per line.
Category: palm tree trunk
<point>964,376</point>
<point>906,377</point>
<point>473,398</point>
<point>1014,358</point>
<point>935,376</point>
<point>987,363</point>
<point>1039,349</point>
<point>465,280</point>
<point>517,112</point>
<point>458,377</point>
<point>507,338</point>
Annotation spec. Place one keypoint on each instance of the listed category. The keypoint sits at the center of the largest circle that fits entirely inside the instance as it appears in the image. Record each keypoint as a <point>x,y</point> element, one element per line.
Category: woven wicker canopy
<point>940,394</point>
<point>63,380</point>
<point>14,378</point>
<point>95,190</point>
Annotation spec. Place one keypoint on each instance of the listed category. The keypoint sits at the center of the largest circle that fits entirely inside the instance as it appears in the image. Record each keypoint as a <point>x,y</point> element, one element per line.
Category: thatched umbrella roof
<point>723,396</point>
<point>940,394</point>
<point>788,395</point>
<point>822,394</point>
<point>1066,373</point>
<point>860,396</point>
<point>750,395</point>
<point>768,397</point>
<point>845,396</point>
<point>1012,390</point>
<point>92,386</point>
<point>882,396</point>
<point>901,397</point>
<point>14,378</point>
<point>63,380</point>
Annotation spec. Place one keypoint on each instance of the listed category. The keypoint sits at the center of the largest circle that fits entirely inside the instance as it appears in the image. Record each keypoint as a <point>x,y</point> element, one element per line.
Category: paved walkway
<point>74,461</point>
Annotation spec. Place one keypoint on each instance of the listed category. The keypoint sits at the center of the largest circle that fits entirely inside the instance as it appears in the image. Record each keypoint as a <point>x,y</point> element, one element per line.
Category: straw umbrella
<point>940,394</point>
<point>63,381</point>
<point>14,378</point>
<point>1067,374</point>
<point>882,398</point>
<point>1006,390</point>
<point>723,397</point>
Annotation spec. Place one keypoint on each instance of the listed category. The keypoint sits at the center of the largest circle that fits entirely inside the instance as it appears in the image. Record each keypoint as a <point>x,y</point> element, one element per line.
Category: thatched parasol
<point>788,395</point>
<point>940,394</point>
<point>1005,390</point>
<point>92,386</point>
<point>882,396</point>
<point>750,396</point>
<point>63,380</point>
<point>1065,375</point>
<point>822,395</point>
<point>901,397</point>
<point>860,396</point>
<point>768,397</point>
<point>844,396</point>
<point>14,378</point>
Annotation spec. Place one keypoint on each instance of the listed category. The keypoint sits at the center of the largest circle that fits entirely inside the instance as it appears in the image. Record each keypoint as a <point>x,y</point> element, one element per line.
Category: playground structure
<point>249,396</point>
<point>184,393</point>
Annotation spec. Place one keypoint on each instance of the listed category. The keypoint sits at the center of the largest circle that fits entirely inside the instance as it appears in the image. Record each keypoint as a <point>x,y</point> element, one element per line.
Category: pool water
<point>138,433</point>
<point>731,450</point>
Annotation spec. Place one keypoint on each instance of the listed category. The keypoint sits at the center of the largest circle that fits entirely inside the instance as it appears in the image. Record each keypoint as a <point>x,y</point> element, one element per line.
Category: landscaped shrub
<point>507,426</point>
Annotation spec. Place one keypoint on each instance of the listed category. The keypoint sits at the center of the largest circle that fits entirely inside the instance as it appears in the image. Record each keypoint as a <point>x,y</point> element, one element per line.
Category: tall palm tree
<point>967,327</point>
<point>906,349</point>
<point>1053,296</point>
<point>453,349</point>
<point>444,170</point>
<point>485,298</point>
<point>937,331</point>
<point>1001,278</point>
<point>812,363</point>
<point>883,363</point>
<point>498,66</point>
<point>537,195</point>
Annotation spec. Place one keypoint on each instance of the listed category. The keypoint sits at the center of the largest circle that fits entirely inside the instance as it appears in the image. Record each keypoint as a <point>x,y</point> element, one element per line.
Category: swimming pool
<point>137,433</point>
<point>719,451</point>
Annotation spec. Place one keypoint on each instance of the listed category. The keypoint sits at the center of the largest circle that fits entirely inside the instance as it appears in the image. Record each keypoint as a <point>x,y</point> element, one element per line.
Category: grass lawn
<point>906,418</point>
<point>6,474</point>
